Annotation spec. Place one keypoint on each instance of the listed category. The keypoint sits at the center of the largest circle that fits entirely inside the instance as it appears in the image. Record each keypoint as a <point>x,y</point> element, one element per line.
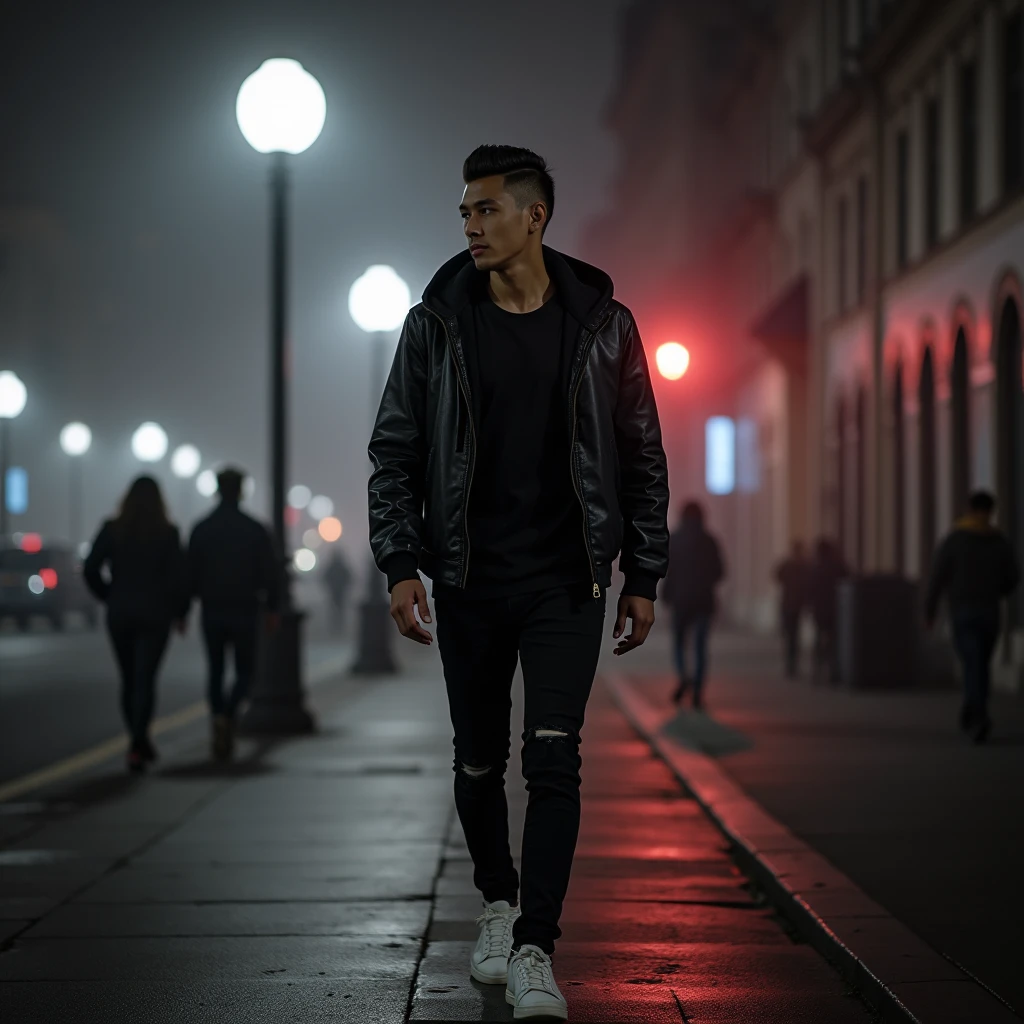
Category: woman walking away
<point>145,591</point>
<point>695,569</point>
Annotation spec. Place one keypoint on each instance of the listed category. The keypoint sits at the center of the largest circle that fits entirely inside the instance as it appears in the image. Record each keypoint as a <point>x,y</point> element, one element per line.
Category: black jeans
<point>556,634</point>
<point>791,635</point>
<point>139,648</point>
<point>237,630</point>
<point>975,634</point>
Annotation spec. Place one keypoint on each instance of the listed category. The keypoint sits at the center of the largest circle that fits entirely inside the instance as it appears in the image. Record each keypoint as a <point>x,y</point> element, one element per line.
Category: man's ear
<point>538,217</point>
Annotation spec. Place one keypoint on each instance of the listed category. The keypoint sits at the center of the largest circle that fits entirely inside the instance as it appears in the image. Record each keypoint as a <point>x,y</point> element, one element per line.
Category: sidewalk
<point>325,879</point>
<point>883,786</point>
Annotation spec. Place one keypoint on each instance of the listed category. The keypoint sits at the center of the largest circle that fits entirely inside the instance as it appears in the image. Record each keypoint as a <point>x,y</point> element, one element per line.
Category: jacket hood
<point>584,290</point>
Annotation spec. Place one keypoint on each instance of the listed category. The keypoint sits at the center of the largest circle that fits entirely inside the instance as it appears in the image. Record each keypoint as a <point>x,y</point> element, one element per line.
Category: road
<point>59,692</point>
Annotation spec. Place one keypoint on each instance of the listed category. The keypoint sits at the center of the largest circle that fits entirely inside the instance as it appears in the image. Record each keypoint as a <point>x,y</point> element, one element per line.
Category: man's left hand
<point>640,611</point>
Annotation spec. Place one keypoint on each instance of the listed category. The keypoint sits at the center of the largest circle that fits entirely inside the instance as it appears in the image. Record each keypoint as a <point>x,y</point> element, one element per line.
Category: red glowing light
<point>31,543</point>
<point>291,515</point>
<point>673,360</point>
<point>49,578</point>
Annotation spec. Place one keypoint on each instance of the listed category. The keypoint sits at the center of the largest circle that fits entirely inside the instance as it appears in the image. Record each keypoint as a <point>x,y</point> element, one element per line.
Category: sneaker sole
<point>540,1011</point>
<point>487,979</point>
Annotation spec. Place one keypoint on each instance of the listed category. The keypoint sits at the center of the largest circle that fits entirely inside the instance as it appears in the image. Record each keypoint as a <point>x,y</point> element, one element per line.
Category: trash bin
<point>878,632</point>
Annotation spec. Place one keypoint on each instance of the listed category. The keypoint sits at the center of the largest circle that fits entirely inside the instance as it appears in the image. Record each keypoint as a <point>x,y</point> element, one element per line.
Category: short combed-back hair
<point>526,175</point>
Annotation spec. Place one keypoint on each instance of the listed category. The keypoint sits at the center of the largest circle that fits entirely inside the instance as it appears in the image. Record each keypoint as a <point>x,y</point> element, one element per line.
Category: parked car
<point>43,581</point>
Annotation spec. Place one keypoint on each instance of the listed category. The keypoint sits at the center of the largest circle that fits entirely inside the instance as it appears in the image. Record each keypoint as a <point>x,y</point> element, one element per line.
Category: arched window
<point>926,401</point>
<point>899,466</point>
<point>960,424</point>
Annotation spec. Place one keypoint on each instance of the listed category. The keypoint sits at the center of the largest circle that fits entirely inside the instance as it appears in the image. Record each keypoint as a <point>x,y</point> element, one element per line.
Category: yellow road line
<point>95,755</point>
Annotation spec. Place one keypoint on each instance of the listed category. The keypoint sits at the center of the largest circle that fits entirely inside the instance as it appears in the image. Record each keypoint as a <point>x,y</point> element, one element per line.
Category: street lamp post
<point>378,302</point>
<point>13,396</point>
<point>280,110</point>
<point>75,441</point>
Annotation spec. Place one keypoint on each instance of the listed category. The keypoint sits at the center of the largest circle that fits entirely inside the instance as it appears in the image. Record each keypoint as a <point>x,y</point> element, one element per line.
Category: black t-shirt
<point>525,521</point>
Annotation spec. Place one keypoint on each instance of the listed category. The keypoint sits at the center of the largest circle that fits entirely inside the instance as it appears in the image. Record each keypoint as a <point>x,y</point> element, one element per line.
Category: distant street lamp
<point>378,303</point>
<point>673,360</point>
<point>13,396</point>
<point>280,110</point>
<point>206,483</point>
<point>149,442</point>
<point>75,441</point>
<point>185,463</point>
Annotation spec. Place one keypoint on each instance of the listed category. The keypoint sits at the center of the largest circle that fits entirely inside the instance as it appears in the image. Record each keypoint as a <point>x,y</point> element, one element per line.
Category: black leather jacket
<point>423,445</point>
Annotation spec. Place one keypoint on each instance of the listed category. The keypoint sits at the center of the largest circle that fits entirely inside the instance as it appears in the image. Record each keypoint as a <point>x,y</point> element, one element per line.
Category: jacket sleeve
<point>398,456</point>
<point>92,569</point>
<point>938,580</point>
<point>643,471</point>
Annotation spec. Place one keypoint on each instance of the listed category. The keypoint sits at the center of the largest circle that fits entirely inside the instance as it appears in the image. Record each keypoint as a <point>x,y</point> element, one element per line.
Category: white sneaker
<point>489,962</point>
<point>531,987</point>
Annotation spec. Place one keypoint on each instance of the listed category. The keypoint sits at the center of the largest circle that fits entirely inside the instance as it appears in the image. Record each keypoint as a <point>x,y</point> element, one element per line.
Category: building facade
<point>849,177</point>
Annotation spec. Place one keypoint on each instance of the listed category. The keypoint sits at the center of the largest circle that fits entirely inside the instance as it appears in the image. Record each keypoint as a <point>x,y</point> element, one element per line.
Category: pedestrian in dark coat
<point>696,568</point>
<point>827,572</point>
<point>794,578</point>
<point>337,579</point>
<point>975,567</point>
<point>235,576</point>
<point>137,568</point>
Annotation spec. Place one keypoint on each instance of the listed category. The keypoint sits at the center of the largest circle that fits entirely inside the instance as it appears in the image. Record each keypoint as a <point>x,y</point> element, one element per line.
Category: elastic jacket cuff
<point>641,583</point>
<point>400,566</point>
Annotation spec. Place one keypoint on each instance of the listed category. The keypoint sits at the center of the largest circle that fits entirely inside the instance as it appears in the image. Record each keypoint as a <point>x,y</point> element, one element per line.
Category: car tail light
<point>49,578</point>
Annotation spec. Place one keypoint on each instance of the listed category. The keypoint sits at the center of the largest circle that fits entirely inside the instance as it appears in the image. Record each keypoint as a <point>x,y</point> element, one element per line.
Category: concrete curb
<point>900,975</point>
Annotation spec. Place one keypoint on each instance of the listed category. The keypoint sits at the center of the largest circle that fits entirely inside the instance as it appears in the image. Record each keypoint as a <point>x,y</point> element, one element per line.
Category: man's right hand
<point>405,597</point>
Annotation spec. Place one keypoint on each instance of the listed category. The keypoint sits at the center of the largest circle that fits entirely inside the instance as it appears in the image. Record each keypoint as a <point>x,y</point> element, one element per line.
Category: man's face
<point>496,228</point>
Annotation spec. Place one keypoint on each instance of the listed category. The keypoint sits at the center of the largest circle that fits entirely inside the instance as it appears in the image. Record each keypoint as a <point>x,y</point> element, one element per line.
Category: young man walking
<point>235,575</point>
<point>977,568</point>
<point>516,452</point>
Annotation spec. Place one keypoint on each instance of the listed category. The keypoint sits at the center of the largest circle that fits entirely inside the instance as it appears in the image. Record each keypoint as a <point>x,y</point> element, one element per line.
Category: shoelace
<point>497,938</point>
<point>537,968</point>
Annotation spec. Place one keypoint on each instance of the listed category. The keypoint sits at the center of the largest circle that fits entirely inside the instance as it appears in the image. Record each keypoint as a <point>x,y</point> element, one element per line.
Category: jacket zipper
<point>578,487</point>
<point>472,458</point>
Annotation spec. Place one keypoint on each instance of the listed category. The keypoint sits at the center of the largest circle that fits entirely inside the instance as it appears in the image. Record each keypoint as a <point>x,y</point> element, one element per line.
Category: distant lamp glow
<point>379,300</point>
<point>321,507</point>
<point>36,584</point>
<point>13,395</point>
<point>720,455</point>
<point>206,483</point>
<point>673,360</point>
<point>75,439</point>
<point>305,560</point>
<point>299,496</point>
<point>311,539</point>
<point>149,442</point>
<point>330,529</point>
<point>281,107</point>
<point>185,461</point>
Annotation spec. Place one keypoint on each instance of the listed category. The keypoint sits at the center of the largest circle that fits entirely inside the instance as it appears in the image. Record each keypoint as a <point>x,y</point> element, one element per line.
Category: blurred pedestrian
<point>137,569</point>
<point>828,570</point>
<point>235,576</point>
<point>516,450</point>
<point>794,578</point>
<point>975,567</point>
<point>696,568</point>
<point>337,580</point>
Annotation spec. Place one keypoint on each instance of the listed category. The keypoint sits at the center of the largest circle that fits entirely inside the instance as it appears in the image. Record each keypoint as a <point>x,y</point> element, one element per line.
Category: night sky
<point>119,131</point>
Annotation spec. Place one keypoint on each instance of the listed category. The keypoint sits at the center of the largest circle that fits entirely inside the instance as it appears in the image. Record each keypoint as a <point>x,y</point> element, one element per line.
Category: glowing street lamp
<point>378,303</point>
<point>13,396</point>
<point>206,483</point>
<point>281,109</point>
<point>149,442</point>
<point>185,461</point>
<point>75,441</point>
<point>673,360</point>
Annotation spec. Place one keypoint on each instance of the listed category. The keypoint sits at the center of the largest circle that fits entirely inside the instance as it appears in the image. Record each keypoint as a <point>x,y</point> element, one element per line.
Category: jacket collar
<point>584,290</point>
